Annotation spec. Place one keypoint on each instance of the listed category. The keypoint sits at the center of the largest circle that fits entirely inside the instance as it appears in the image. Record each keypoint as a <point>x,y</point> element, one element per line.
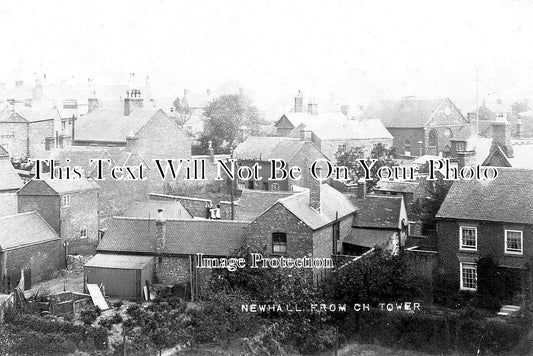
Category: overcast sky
<point>353,49</point>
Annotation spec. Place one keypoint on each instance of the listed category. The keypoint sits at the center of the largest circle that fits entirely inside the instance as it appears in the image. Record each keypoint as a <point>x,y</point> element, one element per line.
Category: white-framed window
<point>514,242</point>
<point>468,276</point>
<point>275,186</point>
<point>279,242</point>
<point>83,233</point>
<point>66,200</point>
<point>468,238</point>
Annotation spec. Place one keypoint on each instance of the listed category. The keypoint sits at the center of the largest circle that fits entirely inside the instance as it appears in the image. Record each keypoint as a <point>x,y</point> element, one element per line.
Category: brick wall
<point>278,219</point>
<point>173,270</point>
<point>14,137</point>
<point>414,135</point>
<point>43,259</point>
<point>83,212</point>
<point>8,203</point>
<point>37,131</point>
<point>422,263</point>
<point>490,241</point>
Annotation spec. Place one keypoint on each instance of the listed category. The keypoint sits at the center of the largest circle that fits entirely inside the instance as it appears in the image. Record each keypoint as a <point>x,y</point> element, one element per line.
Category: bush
<point>89,315</point>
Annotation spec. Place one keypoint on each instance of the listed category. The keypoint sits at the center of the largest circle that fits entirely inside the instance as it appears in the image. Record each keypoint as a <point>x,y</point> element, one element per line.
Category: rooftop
<point>344,130</point>
<point>9,178</point>
<point>173,210</point>
<point>266,148</point>
<point>403,113</point>
<point>253,203</point>
<point>378,211</point>
<point>24,229</point>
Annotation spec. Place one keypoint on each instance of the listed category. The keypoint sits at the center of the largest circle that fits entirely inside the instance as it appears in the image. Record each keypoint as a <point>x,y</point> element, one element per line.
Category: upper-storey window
<point>468,238</point>
<point>514,242</point>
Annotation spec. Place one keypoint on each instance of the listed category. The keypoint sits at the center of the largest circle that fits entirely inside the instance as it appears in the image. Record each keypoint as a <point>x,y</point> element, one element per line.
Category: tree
<point>350,158</point>
<point>183,114</point>
<point>226,116</point>
<point>428,208</point>
<point>519,107</point>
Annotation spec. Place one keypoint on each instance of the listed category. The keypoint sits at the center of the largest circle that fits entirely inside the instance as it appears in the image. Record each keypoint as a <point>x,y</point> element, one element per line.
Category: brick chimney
<point>519,128</point>
<point>299,102</point>
<point>160,232</point>
<point>501,136</point>
<point>345,109</point>
<point>92,101</point>
<point>314,190</point>
<point>312,108</point>
<point>361,188</point>
<point>211,151</point>
<point>306,135</point>
<point>133,100</point>
<point>465,158</point>
<point>131,142</point>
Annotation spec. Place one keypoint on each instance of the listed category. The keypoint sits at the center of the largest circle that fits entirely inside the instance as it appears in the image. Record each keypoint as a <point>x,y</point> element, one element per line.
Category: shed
<point>123,276</point>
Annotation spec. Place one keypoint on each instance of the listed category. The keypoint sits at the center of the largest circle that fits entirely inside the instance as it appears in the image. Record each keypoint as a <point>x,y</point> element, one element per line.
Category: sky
<point>352,51</point>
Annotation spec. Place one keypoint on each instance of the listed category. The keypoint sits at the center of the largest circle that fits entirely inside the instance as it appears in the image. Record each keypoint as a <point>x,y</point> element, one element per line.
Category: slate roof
<point>508,198</point>
<point>60,186</point>
<point>24,229</point>
<point>110,125</point>
<point>265,148</point>
<point>32,114</point>
<point>253,203</point>
<point>346,130</point>
<point>107,260</point>
<point>173,210</point>
<point>81,156</point>
<point>304,118</point>
<point>369,237</point>
<point>3,152</point>
<point>183,237</point>
<point>396,186</point>
<point>9,178</point>
<point>378,211</point>
<point>332,202</point>
<point>403,113</point>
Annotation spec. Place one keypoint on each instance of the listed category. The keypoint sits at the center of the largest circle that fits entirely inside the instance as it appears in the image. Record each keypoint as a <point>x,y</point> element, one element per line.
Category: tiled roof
<point>378,211</point>
<point>60,186</point>
<point>304,118</point>
<point>265,148</point>
<point>403,113</point>
<point>508,198</point>
<point>346,130</point>
<point>173,210</point>
<point>108,260</point>
<point>211,237</point>
<point>9,178</point>
<point>32,114</point>
<point>253,203</point>
<point>111,125</point>
<point>3,152</point>
<point>332,202</point>
<point>24,229</point>
<point>396,186</point>
<point>368,237</point>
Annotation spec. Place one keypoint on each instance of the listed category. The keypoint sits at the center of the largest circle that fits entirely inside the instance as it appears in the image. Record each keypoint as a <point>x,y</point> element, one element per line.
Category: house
<point>69,206</point>
<point>173,246</point>
<point>411,191</point>
<point>488,218</point>
<point>379,221</point>
<point>10,183</point>
<point>419,126</point>
<point>27,243</point>
<point>156,134</point>
<point>260,150</point>
<point>333,138</point>
<point>253,203</point>
<point>309,223</point>
<point>24,131</point>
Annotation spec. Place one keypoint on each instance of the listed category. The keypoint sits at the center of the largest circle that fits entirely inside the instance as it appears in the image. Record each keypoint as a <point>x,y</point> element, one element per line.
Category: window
<point>66,200</point>
<point>468,276</point>
<point>407,148</point>
<point>433,138</point>
<point>341,148</point>
<point>279,242</point>
<point>513,242</point>
<point>468,238</point>
<point>83,233</point>
<point>460,146</point>
<point>275,186</point>
<point>265,186</point>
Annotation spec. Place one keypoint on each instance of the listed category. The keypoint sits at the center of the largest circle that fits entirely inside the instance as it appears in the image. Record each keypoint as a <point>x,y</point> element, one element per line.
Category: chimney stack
<point>299,102</point>
<point>133,100</point>
<point>131,142</point>
<point>306,135</point>
<point>501,136</point>
<point>92,101</point>
<point>345,109</point>
<point>312,108</point>
<point>361,188</point>
<point>160,231</point>
<point>314,189</point>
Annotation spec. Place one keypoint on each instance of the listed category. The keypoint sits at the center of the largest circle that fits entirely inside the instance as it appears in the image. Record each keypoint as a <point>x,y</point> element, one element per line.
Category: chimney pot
<point>299,102</point>
<point>312,108</point>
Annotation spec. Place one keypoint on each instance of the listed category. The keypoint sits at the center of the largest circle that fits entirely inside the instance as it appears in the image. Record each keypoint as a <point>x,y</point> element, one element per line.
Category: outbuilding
<point>123,276</point>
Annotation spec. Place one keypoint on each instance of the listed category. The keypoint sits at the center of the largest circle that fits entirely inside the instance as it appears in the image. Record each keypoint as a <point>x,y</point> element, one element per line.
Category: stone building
<point>27,243</point>
<point>419,126</point>
<point>70,207</point>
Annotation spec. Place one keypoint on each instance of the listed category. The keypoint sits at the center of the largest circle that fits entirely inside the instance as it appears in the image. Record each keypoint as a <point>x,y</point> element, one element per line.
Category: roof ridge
<point>179,220</point>
<point>19,214</point>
